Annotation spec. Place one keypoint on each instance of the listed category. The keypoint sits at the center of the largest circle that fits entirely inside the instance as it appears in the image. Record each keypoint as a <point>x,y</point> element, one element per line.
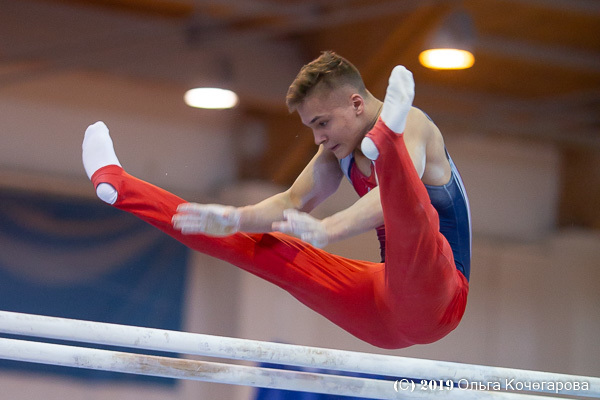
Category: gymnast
<point>411,193</point>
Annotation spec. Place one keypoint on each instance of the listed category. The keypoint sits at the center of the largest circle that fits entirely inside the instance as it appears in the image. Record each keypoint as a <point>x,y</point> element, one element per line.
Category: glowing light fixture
<point>211,98</point>
<point>450,46</point>
<point>446,59</point>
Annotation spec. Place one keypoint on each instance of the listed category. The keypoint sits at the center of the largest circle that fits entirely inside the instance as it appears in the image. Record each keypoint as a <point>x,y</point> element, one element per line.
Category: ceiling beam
<point>557,120</point>
<point>579,6</point>
<point>157,8</point>
<point>402,41</point>
<point>565,57</point>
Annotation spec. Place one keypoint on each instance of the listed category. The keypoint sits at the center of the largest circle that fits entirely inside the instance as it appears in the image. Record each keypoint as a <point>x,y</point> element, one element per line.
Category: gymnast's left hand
<point>207,219</point>
<point>303,225</point>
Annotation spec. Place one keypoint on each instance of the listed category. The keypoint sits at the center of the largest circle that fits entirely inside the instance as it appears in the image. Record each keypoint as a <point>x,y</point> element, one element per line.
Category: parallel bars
<point>258,351</point>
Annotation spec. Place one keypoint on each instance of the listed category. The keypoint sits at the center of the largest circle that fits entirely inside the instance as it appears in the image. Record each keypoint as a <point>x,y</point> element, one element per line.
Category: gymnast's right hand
<point>207,219</point>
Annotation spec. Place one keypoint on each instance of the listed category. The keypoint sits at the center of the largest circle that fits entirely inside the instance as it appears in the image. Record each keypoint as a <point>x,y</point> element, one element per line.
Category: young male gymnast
<point>411,193</point>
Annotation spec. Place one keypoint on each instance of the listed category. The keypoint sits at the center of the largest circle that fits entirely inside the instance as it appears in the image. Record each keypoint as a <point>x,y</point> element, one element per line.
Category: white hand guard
<point>304,226</point>
<point>208,219</point>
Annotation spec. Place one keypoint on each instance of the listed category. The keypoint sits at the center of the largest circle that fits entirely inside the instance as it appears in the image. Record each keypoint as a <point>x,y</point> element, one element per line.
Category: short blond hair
<point>329,70</point>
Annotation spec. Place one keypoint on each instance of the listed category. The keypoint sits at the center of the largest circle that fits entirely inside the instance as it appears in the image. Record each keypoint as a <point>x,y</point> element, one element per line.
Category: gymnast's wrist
<point>330,233</point>
<point>251,220</point>
<point>245,218</point>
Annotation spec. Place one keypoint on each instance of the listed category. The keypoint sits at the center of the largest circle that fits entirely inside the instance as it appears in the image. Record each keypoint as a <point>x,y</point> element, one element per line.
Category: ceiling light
<point>447,59</point>
<point>211,98</point>
<point>451,45</point>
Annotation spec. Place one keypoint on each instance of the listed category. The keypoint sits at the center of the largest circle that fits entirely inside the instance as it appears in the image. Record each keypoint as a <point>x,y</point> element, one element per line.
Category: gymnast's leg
<point>420,274</point>
<point>340,289</point>
<point>148,202</point>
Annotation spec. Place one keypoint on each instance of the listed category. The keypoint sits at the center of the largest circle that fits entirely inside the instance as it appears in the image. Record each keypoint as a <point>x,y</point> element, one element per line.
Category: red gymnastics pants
<point>417,296</point>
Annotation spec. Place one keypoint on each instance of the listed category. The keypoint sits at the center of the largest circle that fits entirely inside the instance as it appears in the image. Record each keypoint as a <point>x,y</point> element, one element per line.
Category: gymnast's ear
<point>358,103</point>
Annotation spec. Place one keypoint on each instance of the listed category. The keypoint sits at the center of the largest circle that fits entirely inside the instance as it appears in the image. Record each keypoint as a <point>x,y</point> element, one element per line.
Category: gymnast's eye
<point>323,123</point>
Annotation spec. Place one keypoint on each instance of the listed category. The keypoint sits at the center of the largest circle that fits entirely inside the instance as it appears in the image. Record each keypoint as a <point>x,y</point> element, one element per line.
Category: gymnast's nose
<point>319,138</point>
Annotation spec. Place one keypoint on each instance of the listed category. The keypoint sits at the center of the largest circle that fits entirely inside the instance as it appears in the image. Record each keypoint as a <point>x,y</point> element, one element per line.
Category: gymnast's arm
<point>364,215</point>
<point>319,179</point>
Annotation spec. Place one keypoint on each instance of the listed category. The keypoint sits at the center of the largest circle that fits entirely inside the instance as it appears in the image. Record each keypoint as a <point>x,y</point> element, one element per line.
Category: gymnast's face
<point>336,118</point>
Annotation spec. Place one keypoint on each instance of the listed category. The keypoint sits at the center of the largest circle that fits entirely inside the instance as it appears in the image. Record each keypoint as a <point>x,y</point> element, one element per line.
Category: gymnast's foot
<point>396,105</point>
<point>98,152</point>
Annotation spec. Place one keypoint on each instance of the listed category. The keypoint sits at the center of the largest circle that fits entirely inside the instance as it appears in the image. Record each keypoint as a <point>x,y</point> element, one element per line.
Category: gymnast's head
<point>331,98</point>
<point>328,72</point>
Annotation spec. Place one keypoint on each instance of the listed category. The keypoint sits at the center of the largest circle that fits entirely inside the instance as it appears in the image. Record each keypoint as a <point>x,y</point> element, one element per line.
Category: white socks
<point>98,152</point>
<point>398,99</point>
<point>396,106</point>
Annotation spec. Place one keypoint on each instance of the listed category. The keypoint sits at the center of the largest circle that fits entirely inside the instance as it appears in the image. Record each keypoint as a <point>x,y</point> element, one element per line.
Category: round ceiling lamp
<point>451,45</point>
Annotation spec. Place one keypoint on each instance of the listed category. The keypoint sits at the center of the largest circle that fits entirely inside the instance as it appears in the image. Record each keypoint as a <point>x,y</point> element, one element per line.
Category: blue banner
<point>83,259</point>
